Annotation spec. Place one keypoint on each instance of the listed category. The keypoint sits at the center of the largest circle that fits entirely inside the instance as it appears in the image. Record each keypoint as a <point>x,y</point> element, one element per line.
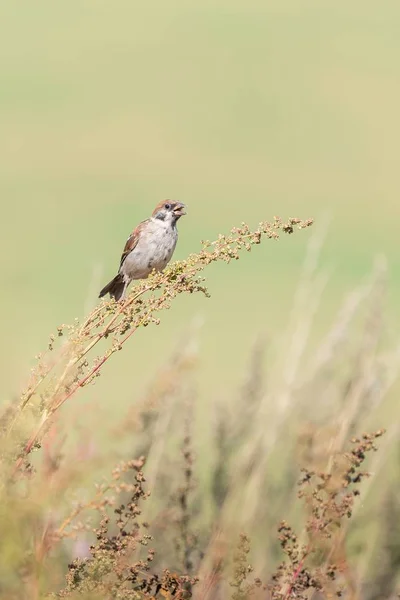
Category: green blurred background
<point>241,109</point>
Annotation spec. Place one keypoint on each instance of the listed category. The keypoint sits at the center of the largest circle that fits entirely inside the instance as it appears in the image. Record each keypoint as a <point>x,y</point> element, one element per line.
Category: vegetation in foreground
<point>290,446</point>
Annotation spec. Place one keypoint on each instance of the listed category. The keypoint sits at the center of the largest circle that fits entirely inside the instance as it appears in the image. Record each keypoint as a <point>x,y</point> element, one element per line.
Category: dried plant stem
<point>121,320</point>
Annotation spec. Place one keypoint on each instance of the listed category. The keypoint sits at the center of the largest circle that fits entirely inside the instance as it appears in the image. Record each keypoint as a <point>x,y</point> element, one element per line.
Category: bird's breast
<point>153,251</point>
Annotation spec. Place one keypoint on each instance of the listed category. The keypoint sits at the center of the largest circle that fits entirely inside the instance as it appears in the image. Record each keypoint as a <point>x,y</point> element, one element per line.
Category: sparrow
<point>149,247</point>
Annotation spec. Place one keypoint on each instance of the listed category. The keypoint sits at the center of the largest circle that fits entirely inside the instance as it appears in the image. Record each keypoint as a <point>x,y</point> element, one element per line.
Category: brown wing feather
<point>132,241</point>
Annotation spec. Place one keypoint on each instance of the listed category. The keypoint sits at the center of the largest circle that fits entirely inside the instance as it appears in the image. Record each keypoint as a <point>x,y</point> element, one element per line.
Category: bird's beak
<point>179,209</point>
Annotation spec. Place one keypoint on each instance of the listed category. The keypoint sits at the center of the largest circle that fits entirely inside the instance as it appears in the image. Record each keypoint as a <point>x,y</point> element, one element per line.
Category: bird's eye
<point>167,206</point>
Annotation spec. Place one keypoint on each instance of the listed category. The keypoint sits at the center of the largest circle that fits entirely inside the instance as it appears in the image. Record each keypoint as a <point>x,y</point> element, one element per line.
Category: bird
<point>149,247</point>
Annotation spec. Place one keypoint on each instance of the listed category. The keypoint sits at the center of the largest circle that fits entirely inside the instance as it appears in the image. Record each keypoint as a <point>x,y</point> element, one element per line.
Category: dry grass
<point>214,534</point>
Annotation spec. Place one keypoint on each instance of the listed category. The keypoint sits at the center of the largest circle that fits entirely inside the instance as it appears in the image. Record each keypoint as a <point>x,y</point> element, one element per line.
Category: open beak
<point>179,209</point>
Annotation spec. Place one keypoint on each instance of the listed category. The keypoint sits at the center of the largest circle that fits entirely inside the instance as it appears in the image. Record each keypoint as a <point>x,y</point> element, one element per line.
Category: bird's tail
<point>116,288</point>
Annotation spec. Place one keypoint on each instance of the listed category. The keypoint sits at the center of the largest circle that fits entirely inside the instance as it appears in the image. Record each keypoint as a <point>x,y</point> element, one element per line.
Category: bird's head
<point>169,211</point>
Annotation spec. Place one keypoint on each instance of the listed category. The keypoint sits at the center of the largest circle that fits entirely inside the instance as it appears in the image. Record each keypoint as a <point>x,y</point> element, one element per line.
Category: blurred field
<point>242,110</point>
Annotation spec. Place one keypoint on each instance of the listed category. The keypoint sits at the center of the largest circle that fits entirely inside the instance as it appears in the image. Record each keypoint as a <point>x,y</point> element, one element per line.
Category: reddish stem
<point>296,575</point>
<point>80,384</point>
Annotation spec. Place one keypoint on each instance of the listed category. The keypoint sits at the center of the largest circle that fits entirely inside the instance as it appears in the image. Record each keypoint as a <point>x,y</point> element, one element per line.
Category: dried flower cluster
<point>241,571</point>
<point>111,569</point>
<point>318,563</point>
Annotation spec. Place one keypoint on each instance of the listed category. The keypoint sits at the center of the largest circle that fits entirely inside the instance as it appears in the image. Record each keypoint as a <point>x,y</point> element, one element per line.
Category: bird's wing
<point>132,241</point>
